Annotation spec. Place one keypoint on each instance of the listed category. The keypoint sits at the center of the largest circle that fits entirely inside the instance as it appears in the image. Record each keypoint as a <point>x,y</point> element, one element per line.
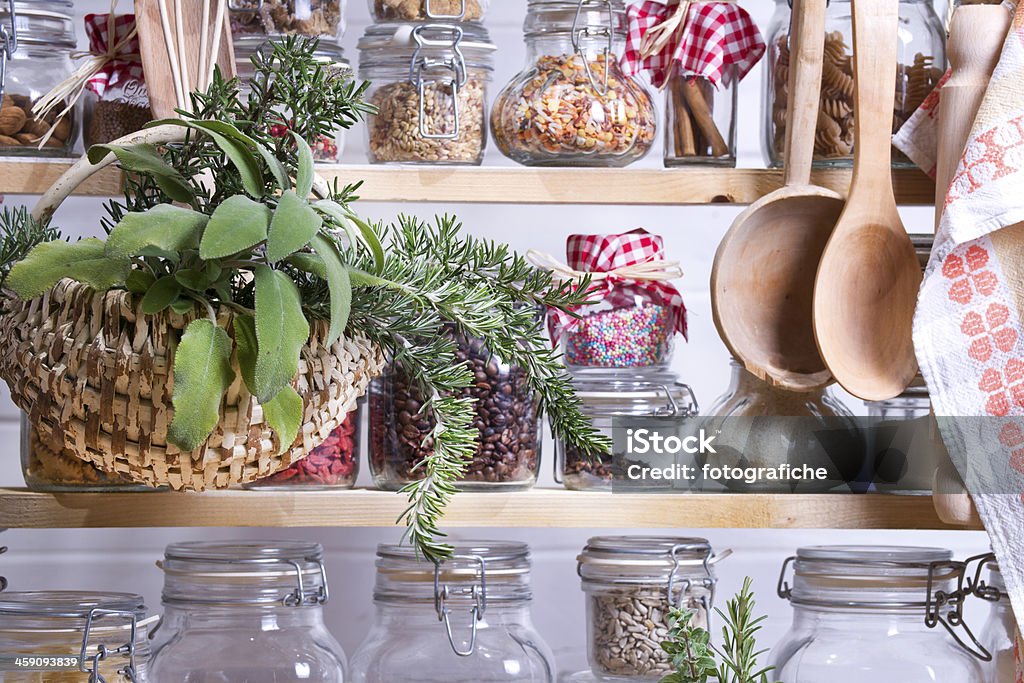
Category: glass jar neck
<point>907,619</point>
<point>257,618</point>
<point>561,45</point>
<point>421,615</point>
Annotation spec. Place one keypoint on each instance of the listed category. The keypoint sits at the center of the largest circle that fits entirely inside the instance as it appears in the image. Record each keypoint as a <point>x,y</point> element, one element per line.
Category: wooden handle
<point>807,50</point>
<point>976,36</point>
<point>874,66</point>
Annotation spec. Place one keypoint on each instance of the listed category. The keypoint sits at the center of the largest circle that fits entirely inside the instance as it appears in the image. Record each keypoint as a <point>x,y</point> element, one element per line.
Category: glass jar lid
<point>580,19</point>
<point>41,22</point>
<point>72,606</point>
<point>276,573</point>
<point>646,559</point>
<point>608,395</point>
<point>426,47</point>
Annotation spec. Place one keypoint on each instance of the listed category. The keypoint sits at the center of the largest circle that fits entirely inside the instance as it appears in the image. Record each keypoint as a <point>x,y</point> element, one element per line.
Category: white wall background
<point>123,559</point>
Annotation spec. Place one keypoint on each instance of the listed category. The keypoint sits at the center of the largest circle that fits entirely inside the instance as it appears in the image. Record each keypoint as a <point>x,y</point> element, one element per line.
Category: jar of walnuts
<point>38,57</point>
<point>921,63</point>
<point>428,10</point>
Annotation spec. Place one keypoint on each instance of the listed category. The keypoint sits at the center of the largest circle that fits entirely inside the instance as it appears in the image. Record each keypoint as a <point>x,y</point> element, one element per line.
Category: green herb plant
<point>697,660</point>
<point>234,218</point>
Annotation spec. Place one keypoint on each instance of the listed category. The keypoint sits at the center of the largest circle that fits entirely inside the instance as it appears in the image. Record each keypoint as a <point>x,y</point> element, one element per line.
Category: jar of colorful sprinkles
<point>634,312</point>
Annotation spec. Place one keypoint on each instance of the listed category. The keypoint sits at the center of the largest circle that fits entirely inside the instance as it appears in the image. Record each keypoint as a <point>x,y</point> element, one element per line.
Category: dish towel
<point>969,326</point>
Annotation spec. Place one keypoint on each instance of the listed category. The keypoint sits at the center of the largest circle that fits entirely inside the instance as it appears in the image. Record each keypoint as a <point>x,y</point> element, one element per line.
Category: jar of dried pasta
<point>428,10</point>
<point>429,84</point>
<point>64,637</point>
<point>573,105</point>
<point>921,63</point>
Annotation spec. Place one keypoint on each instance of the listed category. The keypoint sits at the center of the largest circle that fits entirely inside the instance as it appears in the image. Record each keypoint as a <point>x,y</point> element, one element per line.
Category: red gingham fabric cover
<point>604,253</point>
<point>116,70</point>
<point>718,35</point>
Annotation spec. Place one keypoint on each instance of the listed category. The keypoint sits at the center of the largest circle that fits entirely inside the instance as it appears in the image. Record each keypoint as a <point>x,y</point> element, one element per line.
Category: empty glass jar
<point>429,84</point>
<point>903,442</point>
<point>572,105</point>
<point>428,10</point>
<point>862,613</point>
<point>465,619</point>
<point>243,612</point>
<point>631,582</point>
<point>999,635</point>
<point>47,637</point>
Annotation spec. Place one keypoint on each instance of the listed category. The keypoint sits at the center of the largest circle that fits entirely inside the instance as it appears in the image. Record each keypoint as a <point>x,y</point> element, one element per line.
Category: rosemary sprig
<point>738,652</point>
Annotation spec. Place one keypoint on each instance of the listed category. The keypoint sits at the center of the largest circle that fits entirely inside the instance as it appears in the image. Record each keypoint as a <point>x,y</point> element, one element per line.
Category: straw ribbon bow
<point>652,269</point>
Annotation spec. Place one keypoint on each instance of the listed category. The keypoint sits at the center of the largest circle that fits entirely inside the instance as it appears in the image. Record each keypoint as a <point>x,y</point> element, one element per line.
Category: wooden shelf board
<point>485,185</point>
<point>536,508</point>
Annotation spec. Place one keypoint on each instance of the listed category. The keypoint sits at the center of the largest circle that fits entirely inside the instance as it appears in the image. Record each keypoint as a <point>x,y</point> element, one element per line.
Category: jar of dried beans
<point>38,58</point>
<point>921,63</point>
<point>662,406</point>
<point>334,464</point>
<point>429,84</point>
<point>631,583</point>
<point>428,10</point>
<point>573,105</point>
<point>324,19</point>
<point>507,421</point>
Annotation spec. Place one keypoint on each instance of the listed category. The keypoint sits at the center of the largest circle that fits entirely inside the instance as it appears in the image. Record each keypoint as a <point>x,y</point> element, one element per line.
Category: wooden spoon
<point>869,276</point>
<point>762,280</point>
<point>180,40</point>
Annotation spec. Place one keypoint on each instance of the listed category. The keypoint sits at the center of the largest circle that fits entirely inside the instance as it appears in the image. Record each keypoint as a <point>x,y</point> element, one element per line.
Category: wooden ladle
<point>762,280</point>
<point>869,276</point>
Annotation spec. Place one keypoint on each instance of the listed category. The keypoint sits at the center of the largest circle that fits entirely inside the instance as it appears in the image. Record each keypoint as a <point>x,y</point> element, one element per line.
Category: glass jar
<point>47,637</point>
<point>791,433</point>
<point>572,105</point>
<point>38,58</point>
<point>429,84</point>
<point>614,405</point>
<point>334,464</point>
<point>327,149</point>
<point>464,619</point>
<point>507,420</point>
<point>117,105</point>
<point>428,10</point>
<point>700,120</point>
<point>245,611</point>
<point>999,635</point>
<point>901,439</point>
<point>863,612</point>
<point>631,583</point>
<point>51,468</point>
<point>921,63</point>
<point>324,19</point>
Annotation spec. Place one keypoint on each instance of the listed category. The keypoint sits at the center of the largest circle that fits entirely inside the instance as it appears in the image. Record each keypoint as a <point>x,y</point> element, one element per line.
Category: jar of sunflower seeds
<point>430,89</point>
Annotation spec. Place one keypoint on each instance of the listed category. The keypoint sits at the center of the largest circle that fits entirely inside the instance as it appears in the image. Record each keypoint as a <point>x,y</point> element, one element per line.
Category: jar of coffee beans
<point>631,583</point>
<point>507,420</point>
<point>38,58</point>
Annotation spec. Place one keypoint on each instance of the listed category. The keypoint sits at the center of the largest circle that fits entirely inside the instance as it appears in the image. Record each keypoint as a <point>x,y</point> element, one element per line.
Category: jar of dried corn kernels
<point>921,63</point>
<point>573,105</point>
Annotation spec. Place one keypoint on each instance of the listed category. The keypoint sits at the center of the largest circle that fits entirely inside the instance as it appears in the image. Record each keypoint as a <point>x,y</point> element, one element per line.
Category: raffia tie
<point>70,90</point>
<point>653,269</point>
<point>657,37</point>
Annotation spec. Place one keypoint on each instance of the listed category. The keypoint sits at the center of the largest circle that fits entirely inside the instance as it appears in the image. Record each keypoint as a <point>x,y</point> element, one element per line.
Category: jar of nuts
<point>573,105</point>
<point>921,63</point>
<point>324,19</point>
<point>429,84</point>
<point>428,10</point>
<point>38,57</point>
<point>507,419</point>
<point>631,583</point>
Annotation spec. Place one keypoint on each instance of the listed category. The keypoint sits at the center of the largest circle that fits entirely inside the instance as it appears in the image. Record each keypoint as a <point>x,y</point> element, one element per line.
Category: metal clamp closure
<point>784,590</point>
<point>707,601</point>
<point>298,597</point>
<point>978,586</point>
<point>479,595</point>
<point>457,17</point>
<point>8,44</point>
<point>422,66</point>
<point>946,608</point>
<point>3,580</point>
<point>91,665</point>
<point>580,32</point>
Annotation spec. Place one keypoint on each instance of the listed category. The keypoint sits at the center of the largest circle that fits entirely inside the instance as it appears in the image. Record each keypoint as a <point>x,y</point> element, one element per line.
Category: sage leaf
<point>244,161</point>
<point>160,295</point>
<point>239,223</point>
<point>85,261</point>
<point>339,284</point>
<point>202,373</point>
<point>283,414</point>
<point>294,224</point>
<point>183,305</point>
<point>139,281</point>
<point>246,346</point>
<point>370,239</point>
<point>165,227</point>
<point>196,279</point>
<point>344,218</point>
<point>360,278</point>
<point>145,158</point>
<point>281,332</point>
<point>308,263</point>
<point>305,172</point>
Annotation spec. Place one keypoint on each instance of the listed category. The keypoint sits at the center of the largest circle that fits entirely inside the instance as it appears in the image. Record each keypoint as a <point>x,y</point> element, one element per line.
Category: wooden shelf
<point>536,508</point>
<point>484,185</point>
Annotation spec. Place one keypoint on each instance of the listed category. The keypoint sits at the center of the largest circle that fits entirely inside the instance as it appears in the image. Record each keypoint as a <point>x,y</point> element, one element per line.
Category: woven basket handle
<point>83,169</point>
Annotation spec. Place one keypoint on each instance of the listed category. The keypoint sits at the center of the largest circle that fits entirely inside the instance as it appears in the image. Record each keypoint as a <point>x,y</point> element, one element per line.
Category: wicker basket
<point>95,374</point>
